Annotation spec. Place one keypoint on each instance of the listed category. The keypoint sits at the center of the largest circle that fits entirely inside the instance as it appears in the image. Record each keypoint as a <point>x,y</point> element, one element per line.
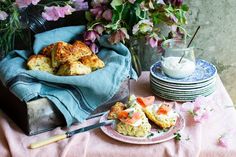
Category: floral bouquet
<point>12,16</point>
<point>132,21</point>
<point>123,19</point>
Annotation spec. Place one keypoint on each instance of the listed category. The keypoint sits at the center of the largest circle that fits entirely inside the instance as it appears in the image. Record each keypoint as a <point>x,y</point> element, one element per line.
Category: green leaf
<point>116,3</point>
<point>138,11</point>
<point>177,136</point>
<point>139,1</point>
<point>115,17</point>
<point>119,8</point>
<point>185,7</point>
<point>88,16</point>
<point>125,13</point>
<point>170,8</point>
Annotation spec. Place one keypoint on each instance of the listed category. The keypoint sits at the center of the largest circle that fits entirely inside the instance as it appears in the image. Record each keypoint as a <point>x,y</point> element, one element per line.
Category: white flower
<point>143,26</point>
<point>3,15</point>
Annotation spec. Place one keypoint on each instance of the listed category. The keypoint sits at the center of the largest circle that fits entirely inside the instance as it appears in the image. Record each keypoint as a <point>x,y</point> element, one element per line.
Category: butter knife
<point>69,134</point>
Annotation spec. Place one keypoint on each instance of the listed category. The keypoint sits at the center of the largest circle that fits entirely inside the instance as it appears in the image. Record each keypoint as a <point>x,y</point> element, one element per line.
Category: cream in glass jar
<point>177,60</point>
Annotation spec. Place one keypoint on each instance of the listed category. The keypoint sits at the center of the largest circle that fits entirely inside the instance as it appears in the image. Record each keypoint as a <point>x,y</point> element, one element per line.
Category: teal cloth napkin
<point>75,96</point>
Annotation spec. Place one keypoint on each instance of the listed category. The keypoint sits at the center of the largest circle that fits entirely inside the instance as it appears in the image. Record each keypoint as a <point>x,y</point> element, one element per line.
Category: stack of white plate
<point>201,82</point>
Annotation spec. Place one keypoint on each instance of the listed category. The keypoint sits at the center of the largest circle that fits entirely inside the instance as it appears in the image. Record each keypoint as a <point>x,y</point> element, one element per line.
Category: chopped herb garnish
<point>177,136</point>
<point>150,135</point>
<point>131,114</point>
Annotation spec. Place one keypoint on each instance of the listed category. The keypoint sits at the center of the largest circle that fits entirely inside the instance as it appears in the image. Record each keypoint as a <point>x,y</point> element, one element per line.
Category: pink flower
<point>23,3</point>
<point>80,5</point>
<point>119,35</point>
<point>91,35</point>
<point>132,1</point>
<point>200,115</point>
<point>98,2</point>
<point>173,18</point>
<point>223,140</point>
<point>97,11</point>
<point>26,3</point>
<point>152,40</point>
<point>107,14</point>
<point>94,48</point>
<point>99,29</point>
<point>198,109</point>
<point>3,15</point>
<point>143,27</point>
<point>53,13</point>
<point>174,28</point>
<point>35,2</point>
<point>176,3</point>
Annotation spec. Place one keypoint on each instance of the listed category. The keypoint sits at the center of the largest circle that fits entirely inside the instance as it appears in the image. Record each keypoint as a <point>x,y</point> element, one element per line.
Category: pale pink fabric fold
<point>197,139</point>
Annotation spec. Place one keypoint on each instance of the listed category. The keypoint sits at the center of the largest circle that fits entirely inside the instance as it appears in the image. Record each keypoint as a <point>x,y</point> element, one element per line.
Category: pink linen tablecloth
<point>197,139</point>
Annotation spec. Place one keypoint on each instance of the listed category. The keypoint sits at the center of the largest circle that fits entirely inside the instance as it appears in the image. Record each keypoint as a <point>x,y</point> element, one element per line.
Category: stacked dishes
<point>201,82</point>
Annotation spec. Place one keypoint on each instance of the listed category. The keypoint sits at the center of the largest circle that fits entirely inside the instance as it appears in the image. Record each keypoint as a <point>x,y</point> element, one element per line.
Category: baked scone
<point>60,52</point>
<point>73,68</point>
<point>81,49</point>
<point>115,110</point>
<point>48,50</point>
<point>40,62</point>
<point>161,114</point>
<point>133,122</point>
<point>64,52</point>
<point>92,61</point>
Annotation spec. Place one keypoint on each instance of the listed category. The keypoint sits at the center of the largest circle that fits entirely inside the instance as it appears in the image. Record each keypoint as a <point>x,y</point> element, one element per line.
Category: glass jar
<point>134,47</point>
<point>178,60</point>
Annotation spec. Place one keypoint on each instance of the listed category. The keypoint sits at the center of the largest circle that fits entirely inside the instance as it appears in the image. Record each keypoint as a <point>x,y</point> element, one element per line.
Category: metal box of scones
<point>40,115</point>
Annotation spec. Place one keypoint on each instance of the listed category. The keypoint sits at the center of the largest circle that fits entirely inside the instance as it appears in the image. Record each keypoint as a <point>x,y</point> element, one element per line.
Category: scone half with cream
<point>132,122</point>
<point>161,114</point>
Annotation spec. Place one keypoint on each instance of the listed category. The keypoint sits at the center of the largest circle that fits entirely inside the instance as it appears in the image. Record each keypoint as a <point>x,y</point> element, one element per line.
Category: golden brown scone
<point>73,68</point>
<point>164,117</point>
<point>92,61</point>
<point>63,52</point>
<point>115,110</point>
<point>60,52</point>
<point>82,49</point>
<point>40,62</point>
<point>48,50</point>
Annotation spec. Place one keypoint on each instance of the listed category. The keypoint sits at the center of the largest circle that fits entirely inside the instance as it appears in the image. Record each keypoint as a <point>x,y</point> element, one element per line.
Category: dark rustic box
<point>40,115</point>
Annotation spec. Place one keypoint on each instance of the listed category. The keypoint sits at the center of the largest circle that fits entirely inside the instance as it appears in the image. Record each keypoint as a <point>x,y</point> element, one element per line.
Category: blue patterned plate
<point>183,93</point>
<point>204,71</point>
<point>181,86</point>
<point>181,98</point>
<point>182,90</point>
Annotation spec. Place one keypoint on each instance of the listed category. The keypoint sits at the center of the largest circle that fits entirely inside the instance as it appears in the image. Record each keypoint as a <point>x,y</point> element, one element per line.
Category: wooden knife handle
<point>48,141</point>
